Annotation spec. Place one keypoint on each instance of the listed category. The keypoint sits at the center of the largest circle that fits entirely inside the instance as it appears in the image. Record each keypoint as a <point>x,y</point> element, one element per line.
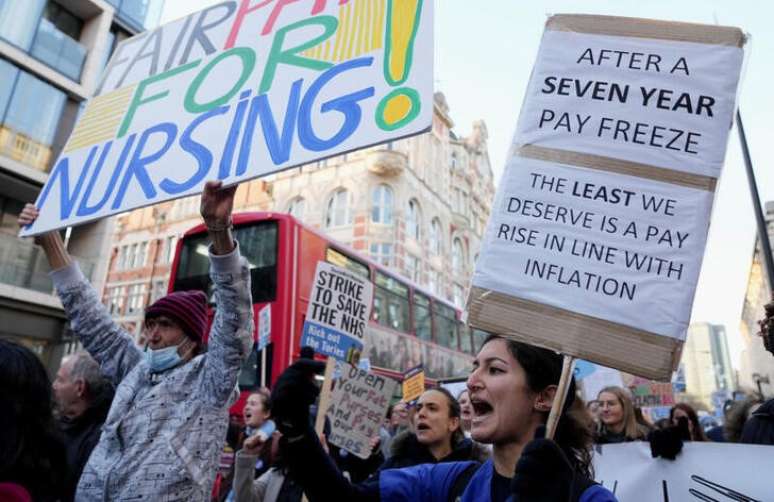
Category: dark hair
<point>698,431</point>
<point>737,417</point>
<point>543,367</point>
<point>31,449</point>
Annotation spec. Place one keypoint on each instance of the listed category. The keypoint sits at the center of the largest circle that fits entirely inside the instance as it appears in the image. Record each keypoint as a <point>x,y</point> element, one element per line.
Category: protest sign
<point>358,405</point>
<point>413,384</point>
<point>264,326</point>
<point>700,472</point>
<point>240,90</point>
<point>338,313</point>
<point>594,244</point>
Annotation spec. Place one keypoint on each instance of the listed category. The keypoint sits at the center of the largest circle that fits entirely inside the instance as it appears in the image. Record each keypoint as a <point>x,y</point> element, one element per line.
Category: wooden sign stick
<point>568,365</point>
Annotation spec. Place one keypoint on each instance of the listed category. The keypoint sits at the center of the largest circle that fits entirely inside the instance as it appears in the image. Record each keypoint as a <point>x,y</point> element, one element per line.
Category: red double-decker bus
<point>408,325</point>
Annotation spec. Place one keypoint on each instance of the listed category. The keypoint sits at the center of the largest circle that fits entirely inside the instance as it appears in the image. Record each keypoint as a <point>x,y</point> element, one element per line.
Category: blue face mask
<point>162,359</point>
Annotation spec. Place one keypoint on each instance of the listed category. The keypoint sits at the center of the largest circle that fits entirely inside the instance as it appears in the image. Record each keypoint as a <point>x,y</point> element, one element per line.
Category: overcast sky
<point>484,54</point>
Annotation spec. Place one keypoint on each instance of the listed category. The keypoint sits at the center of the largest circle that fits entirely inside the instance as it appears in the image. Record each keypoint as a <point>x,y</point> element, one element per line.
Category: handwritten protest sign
<point>240,90</point>
<point>413,384</point>
<point>338,312</point>
<point>358,406</point>
<point>700,472</point>
<point>598,229</point>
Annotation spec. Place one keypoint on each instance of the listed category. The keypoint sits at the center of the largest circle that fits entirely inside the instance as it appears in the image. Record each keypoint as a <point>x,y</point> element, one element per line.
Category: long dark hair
<point>693,417</point>
<point>31,449</point>
<point>454,412</point>
<point>543,368</point>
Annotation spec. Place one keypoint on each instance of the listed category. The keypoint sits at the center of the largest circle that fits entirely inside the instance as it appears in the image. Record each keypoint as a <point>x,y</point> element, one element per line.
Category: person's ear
<point>545,399</point>
<point>80,387</point>
<point>454,424</point>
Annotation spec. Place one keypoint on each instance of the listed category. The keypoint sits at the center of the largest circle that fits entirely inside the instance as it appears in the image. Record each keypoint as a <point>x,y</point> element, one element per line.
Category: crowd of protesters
<point>126,423</point>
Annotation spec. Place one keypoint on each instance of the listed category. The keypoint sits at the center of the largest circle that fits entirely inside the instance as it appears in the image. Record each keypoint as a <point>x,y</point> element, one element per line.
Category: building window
<point>413,219</point>
<point>142,255</point>
<point>30,110</point>
<point>136,298</point>
<point>458,256</point>
<point>436,235</point>
<point>413,268</point>
<point>115,300</point>
<point>296,208</point>
<point>381,252</point>
<point>381,200</point>
<point>159,290</point>
<point>56,42</point>
<point>139,14</point>
<point>18,21</point>
<point>432,281</point>
<point>169,249</point>
<point>337,213</point>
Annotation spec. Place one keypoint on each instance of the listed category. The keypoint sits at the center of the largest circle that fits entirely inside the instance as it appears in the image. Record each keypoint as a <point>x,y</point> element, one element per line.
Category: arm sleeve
<point>231,334</point>
<point>246,489</point>
<point>597,493</point>
<point>318,475</point>
<point>107,343</point>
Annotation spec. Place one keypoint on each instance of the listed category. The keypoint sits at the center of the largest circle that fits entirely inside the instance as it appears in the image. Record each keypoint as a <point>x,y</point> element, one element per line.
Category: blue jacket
<point>433,483</point>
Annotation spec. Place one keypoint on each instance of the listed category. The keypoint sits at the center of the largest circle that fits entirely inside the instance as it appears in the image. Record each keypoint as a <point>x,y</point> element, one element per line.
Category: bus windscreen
<point>257,243</point>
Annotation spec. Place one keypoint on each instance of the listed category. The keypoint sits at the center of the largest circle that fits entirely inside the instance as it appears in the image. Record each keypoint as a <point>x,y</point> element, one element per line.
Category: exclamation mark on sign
<point>402,105</point>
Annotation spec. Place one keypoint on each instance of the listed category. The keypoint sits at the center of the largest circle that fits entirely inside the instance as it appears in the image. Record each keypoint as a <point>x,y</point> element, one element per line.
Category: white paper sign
<point>657,102</point>
<point>240,90</point>
<point>358,406</point>
<point>338,313</point>
<point>702,472</point>
<point>614,247</point>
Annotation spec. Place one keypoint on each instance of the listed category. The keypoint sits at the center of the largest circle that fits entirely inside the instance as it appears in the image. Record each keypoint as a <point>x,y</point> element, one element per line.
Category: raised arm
<point>110,345</point>
<point>231,335</point>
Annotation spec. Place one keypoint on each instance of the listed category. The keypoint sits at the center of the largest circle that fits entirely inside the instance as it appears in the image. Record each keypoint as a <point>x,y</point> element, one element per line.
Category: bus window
<point>479,337</point>
<point>465,343</point>
<point>339,259</point>
<point>257,243</point>
<point>445,325</point>
<point>422,324</point>
<point>391,303</point>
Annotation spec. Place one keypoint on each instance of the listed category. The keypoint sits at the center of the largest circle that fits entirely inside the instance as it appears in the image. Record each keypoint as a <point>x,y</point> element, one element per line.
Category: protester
<point>33,464</point>
<point>738,415</point>
<point>83,397</point>
<point>617,421</point>
<point>399,422</point>
<point>274,485</point>
<point>759,429</point>
<point>164,432</point>
<point>257,415</point>
<point>512,388</point>
<point>438,436</point>
<point>686,412</point>
<point>466,411</point>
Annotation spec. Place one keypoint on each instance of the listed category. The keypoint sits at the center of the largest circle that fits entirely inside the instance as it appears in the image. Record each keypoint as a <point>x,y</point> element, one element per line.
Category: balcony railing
<point>58,50</point>
<point>23,264</point>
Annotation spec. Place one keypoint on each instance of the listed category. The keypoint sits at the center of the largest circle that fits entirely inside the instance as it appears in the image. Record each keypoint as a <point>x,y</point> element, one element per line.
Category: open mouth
<point>422,427</point>
<point>481,408</point>
<point>248,416</point>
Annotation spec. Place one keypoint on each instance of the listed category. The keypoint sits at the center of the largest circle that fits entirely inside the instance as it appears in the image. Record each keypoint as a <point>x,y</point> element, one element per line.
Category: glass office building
<point>52,53</point>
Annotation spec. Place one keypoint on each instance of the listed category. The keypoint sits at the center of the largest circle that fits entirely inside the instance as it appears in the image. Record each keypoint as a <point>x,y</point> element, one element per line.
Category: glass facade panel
<point>19,20</point>
<point>140,14</point>
<point>58,50</point>
<point>8,74</point>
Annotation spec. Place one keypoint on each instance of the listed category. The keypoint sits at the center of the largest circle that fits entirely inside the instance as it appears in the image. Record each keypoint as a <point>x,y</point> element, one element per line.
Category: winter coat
<point>81,435</point>
<point>408,451</point>
<point>164,433</point>
<point>759,428</point>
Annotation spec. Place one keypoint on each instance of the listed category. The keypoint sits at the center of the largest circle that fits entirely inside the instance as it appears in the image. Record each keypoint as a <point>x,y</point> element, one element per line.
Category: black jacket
<point>759,429</point>
<point>407,451</point>
<point>80,436</point>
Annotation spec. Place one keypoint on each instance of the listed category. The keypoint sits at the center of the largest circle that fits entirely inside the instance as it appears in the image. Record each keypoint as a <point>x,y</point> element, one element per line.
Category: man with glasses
<point>164,431</point>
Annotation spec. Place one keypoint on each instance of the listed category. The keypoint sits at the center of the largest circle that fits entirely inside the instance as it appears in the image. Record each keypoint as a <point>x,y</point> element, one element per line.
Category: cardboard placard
<point>413,384</point>
<point>358,405</point>
<point>241,90</point>
<point>594,244</point>
<point>264,327</point>
<point>338,313</point>
<point>702,471</point>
